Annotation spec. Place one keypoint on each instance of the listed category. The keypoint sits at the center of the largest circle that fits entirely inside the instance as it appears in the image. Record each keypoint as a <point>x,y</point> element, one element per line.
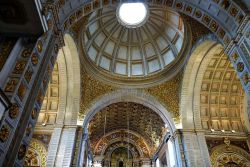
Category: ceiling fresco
<point>129,116</point>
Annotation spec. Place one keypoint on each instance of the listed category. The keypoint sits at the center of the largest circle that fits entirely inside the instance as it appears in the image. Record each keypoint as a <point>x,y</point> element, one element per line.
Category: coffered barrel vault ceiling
<point>221,96</point>
<point>127,115</point>
<point>49,110</point>
<point>133,53</point>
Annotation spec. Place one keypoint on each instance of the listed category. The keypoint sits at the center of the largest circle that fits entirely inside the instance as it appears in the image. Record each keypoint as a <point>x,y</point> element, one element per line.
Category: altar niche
<point>121,157</point>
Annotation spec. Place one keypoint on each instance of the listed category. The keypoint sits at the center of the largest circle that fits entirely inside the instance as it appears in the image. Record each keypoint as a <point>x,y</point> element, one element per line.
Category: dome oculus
<point>132,15</point>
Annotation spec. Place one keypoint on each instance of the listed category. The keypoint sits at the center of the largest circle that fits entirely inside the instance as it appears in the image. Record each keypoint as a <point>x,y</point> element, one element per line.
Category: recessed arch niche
<point>127,96</point>
<point>211,89</point>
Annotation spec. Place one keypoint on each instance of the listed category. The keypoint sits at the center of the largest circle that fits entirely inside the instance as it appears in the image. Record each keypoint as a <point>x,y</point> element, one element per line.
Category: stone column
<point>174,149</point>
<point>169,154</point>
<point>178,149</point>
<point>195,149</point>
<point>66,146</point>
<point>61,147</point>
<point>82,149</point>
<point>167,158</point>
<point>53,147</point>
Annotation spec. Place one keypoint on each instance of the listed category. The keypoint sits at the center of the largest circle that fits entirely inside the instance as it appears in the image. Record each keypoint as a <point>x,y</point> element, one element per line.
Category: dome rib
<point>116,50</point>
<point>156,48</point>
<point>104,44</point>
<point>144,64</point>
<point>165,36</point>
<point>90,42</point>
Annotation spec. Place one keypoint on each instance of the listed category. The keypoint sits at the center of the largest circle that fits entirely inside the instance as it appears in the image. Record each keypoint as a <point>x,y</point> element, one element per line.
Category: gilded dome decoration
<point>133,54</point>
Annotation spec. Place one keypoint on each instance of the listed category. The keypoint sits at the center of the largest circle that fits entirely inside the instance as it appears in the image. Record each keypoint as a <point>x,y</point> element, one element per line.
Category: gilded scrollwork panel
<point>167,93</point>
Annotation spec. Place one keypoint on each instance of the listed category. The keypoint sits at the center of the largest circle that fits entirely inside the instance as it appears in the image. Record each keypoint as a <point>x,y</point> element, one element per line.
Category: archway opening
<point>126,133</point>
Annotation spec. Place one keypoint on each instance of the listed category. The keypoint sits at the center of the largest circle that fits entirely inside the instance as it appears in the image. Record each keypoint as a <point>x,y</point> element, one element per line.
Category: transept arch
<point>222,99</point>
<point>69,102</point>
<point>69,71</point>
<point>199,82</point>
<point>193,74</point>
<point>132,95</point>
<point>63,95</point>
<point>212,99</point>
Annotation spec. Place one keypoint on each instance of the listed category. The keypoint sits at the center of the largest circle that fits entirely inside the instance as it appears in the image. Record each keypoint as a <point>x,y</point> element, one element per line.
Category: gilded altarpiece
<point>228,152</point>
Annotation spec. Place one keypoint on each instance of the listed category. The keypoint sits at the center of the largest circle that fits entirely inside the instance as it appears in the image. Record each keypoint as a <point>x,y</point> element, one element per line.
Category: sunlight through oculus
<point>132,15</point>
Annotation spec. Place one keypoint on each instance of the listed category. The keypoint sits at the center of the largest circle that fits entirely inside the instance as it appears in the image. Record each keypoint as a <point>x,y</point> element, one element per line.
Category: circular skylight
<point>132,14</point>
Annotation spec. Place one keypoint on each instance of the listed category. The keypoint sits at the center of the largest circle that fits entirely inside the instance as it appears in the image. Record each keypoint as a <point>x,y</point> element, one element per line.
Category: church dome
<point>131,55</point>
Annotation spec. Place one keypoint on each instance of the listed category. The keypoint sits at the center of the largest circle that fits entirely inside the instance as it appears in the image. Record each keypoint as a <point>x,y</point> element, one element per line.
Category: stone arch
<point>221,17</point>
<point>69,72</point>
<point>192,108</point>
<point>223,154</point>
<point>130,95</point>
<point>63,88</point>
<point>191,84</point>
<point>67,83</point>
<point>194,94</point>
